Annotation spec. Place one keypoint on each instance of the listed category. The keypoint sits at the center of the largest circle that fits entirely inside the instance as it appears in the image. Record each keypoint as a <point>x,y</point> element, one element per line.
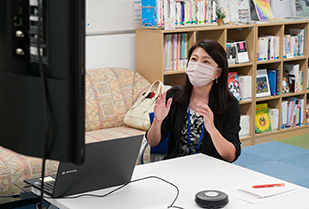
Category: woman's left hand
<point>225,148</point>
<point>204,110</point>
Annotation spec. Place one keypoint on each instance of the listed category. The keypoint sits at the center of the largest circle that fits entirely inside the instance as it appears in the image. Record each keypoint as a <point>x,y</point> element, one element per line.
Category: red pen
<point>267,185</point>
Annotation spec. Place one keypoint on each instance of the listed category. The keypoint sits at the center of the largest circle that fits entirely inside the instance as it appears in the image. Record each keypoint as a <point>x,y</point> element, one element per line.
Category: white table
<point>190,174</point>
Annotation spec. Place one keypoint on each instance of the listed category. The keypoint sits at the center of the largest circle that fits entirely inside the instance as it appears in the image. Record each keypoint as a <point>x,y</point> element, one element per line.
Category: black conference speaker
<point>211,199</point>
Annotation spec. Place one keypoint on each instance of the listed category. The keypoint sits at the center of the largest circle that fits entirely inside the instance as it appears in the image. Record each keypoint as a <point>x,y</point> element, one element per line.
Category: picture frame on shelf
<point>262,83</point>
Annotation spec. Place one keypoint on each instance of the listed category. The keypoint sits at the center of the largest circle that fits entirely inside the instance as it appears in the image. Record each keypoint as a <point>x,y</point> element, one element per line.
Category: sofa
<point>110,93</point>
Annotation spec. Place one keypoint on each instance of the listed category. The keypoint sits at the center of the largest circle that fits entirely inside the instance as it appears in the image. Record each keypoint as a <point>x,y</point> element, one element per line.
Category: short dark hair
<point>220,96</point>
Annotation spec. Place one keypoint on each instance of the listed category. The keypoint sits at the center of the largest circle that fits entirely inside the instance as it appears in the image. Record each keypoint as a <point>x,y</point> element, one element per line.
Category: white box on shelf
<point>245,85</point>
<point>274,118</point>
<point>244,125</point>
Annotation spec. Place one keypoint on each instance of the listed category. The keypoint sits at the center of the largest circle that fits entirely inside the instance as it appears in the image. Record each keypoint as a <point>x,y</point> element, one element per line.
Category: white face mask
<point>200,74</point>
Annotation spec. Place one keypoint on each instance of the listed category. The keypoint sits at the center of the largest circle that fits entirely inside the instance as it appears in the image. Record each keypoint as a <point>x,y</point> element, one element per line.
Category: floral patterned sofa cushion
<point>110,92</point>
<point>14,168</point>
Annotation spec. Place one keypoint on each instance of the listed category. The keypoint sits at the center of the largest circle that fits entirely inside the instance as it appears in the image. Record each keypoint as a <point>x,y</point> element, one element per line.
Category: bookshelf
<point>150,64</point>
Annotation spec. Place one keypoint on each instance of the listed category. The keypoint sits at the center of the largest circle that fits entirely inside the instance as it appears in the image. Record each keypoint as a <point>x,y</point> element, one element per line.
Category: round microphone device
<point>211,199</point>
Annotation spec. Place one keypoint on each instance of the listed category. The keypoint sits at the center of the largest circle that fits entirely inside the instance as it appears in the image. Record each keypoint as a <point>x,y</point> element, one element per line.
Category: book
<point>287,52</point>
<point>175,51</point>
<point>258,49</point>
<point>231,54</point>
<point>284,113</point>
<point>263,9</point>
<point>262,120</point>
<point>235,10</point>
<point>300,80</point>
<point>148,13</point>
<point>242,55</point>
<point>291,119</point>
<point>285,82</point>
<point>278,81</point>
<point>233,85</point>
<point>293,74</point>
<point>182,51</point>
<point>300,104</point>
<point>244,11</point>
<point>272,78</point>
<point>307,113</point>
<point>268,48</point>
<point>168,43</point>
<point>178,51</point>
<point>262,49</point>
<point>300,34</point>
<point>244,125</point>
<point>274,118</point>
<point>245,85</point>
<point>307,80</point>
<point>262,83</point>
<point>277,47</point>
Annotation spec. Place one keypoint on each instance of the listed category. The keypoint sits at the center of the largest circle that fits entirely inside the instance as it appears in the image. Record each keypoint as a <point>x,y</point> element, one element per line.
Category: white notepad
<point>245,192</point>
<point>266,192</point>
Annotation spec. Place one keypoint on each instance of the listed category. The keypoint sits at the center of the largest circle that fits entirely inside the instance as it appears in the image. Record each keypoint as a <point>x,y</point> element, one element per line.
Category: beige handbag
<point>138,115</point>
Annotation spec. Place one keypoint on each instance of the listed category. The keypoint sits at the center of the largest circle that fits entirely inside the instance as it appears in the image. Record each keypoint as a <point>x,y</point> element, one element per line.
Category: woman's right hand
<point>161,109</point>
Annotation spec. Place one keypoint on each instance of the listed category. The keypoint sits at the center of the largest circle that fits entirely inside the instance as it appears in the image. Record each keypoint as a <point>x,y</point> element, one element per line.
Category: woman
<point>212,127</point>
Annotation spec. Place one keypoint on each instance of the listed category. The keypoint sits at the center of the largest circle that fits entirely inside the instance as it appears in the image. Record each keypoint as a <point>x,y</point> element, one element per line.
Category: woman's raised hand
<point>161,109</point>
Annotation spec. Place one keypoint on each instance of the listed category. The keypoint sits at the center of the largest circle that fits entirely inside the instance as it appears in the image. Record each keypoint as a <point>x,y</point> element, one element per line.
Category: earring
<point>216,80</point>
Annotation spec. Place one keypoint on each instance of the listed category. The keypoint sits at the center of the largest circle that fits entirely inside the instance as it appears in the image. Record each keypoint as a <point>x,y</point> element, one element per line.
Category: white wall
<point>116,50</point>
<point>110,35</point>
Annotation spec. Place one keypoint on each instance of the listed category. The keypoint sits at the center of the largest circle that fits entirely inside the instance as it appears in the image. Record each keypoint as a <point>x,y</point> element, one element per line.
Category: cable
<point>44,93</point>
<point>136,180</point>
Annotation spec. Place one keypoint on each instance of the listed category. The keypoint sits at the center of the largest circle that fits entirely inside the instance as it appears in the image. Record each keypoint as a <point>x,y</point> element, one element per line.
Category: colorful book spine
<point>193,17</point>
<point>171,52</point>
<point>175,50</point>
<point>178,51</point>
<point>307,81</point>
<point>272,78</point>
<point>278,81</point>
<point>182,54</point>
<point>190,13</point>
<point>181,14</point>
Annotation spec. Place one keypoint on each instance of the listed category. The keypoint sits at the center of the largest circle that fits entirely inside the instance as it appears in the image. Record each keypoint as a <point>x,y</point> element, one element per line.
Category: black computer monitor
<point>42,92</point>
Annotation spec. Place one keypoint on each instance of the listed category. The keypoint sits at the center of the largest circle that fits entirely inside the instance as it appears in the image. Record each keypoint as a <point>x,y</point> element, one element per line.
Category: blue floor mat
<point>283,161</point>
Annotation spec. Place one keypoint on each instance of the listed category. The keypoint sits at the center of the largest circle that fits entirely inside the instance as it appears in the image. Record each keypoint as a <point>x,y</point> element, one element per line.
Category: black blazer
<point>227,124</point>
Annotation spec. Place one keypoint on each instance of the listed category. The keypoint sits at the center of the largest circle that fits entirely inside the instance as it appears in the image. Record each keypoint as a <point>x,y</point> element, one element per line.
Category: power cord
<point>136,180</point>
<point>44,93</point>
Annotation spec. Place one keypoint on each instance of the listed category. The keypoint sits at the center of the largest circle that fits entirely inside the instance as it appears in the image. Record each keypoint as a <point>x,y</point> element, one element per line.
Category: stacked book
<point>189,12</point>
<point>176,49</point>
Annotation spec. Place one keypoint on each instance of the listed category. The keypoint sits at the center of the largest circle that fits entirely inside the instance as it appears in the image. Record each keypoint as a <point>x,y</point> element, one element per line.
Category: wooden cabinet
<point>150,63</point>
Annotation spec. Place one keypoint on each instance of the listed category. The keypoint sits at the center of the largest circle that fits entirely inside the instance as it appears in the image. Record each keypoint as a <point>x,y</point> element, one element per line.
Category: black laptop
<point>107,163</point>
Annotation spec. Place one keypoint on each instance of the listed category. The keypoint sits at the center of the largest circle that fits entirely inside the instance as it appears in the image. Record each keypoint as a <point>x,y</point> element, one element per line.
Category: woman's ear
<point>218,73</point>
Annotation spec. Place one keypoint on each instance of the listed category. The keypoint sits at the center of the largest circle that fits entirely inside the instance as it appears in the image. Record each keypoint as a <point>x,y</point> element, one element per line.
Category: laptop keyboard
<point>48,186</point>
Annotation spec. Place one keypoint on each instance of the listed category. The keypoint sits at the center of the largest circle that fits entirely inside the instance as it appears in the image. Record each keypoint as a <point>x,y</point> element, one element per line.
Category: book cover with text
<point>262,120</point>
<point>233,84</point>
